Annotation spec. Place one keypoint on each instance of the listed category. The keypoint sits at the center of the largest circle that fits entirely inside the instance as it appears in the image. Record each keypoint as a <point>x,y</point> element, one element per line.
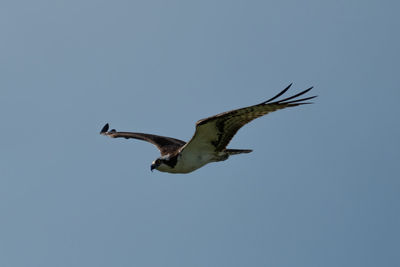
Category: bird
<point>212,135</point>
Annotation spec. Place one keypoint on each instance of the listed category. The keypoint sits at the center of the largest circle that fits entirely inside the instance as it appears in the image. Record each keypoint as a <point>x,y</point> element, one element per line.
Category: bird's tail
<point>237,151</point>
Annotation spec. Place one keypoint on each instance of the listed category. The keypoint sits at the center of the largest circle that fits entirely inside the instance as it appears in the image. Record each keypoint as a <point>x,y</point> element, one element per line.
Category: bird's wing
<point>214,133</point>
<point>166,145</point>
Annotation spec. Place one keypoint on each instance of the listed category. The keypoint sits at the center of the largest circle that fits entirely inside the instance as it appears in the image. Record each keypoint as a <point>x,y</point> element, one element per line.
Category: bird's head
<point>155,164</point>
<point>162,164</point>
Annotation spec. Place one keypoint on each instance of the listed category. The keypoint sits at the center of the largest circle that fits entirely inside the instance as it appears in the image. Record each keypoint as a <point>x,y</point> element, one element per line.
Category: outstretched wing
<point>166,145</point>
<point>214,133</point>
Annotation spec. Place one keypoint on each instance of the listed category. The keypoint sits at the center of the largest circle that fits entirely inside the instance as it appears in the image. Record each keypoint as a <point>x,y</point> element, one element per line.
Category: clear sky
<point>321,188</point>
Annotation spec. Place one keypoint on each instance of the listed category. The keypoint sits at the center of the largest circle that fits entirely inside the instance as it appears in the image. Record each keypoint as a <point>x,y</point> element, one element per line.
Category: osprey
<point>211,137</point>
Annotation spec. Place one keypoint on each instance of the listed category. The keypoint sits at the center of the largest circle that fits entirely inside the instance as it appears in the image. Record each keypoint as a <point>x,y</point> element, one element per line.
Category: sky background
<point>321,188</point>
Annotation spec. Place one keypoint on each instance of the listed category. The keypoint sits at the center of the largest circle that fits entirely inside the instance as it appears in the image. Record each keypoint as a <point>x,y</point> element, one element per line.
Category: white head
<point>164,164</point>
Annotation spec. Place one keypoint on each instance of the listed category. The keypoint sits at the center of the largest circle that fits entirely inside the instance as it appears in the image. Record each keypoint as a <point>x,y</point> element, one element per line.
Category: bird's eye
<point>158,161</point>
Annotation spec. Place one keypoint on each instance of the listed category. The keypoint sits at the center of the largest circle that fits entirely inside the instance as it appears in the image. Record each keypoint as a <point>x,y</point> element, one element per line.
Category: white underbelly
<point>189,163</point>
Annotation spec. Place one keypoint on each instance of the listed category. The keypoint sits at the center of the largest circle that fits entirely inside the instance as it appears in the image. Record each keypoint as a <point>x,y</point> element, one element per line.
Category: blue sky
<point>320,189</point>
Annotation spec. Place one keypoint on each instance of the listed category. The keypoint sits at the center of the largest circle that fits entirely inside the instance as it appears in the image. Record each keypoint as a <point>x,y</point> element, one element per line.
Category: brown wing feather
<point>166,145</point>
<point>218,130</point>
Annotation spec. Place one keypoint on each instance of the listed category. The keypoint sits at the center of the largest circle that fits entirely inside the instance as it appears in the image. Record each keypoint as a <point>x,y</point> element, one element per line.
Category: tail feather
<point>237,151</point>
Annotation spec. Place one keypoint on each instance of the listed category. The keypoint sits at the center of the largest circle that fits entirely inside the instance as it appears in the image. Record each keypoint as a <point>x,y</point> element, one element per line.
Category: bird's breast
<point>190,162</point>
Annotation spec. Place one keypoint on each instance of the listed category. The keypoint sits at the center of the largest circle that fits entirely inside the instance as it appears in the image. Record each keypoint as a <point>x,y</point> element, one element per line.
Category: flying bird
<point>211,137</point>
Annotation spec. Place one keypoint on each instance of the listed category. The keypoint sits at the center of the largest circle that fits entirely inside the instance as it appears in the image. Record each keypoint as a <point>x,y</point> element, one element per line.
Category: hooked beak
<point>153,166</point>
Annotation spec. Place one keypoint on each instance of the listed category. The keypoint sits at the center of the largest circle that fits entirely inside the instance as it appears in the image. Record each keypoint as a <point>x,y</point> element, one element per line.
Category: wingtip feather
<point>104,129</point>
<point>278,95</point>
